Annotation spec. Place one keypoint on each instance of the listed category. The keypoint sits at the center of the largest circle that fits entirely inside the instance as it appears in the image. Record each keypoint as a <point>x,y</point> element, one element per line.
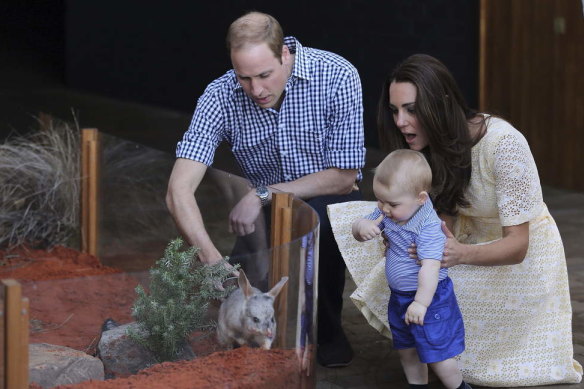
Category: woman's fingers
<point>446,231</point>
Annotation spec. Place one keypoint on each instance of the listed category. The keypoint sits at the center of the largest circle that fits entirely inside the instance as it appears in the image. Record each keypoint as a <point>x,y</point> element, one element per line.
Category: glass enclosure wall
<point>134,229</point>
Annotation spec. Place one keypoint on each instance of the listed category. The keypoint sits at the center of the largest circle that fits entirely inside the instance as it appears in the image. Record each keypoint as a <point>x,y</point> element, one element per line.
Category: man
<point>293,118</point>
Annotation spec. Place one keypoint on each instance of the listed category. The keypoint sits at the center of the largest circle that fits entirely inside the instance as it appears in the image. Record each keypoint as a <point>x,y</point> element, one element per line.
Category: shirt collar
<point>300,69</point>
<point>416,222</point>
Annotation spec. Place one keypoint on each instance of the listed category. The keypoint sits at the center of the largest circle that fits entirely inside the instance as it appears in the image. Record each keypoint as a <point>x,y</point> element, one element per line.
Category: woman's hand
<point>454,251</point>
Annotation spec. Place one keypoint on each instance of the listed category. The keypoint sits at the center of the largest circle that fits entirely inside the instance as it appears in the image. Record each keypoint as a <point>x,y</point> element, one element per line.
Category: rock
<point>51,365</point>
<point>122,357</point>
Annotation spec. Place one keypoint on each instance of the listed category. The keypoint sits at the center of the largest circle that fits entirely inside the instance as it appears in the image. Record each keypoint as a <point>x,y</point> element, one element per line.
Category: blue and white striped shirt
<point>318,126</point>
<point>425,230</point>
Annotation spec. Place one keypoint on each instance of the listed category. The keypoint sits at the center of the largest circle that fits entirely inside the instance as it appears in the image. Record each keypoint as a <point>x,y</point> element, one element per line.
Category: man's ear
<point>422,197</point>
<point>285,55</point>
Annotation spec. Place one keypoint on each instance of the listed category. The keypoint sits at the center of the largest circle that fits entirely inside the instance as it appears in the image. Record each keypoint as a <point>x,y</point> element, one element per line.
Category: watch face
<point>262,192</point>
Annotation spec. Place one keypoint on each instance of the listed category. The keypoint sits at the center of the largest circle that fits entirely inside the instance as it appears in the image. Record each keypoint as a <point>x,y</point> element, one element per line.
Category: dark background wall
<point>165,53</point>
<point>32,37</point>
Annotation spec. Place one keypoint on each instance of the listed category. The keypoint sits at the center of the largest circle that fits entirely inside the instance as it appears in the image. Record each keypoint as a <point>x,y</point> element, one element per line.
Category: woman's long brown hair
<point>444,115</point>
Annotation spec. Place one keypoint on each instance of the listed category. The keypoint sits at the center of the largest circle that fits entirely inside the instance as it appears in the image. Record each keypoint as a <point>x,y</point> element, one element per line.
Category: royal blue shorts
<point>442,335</point>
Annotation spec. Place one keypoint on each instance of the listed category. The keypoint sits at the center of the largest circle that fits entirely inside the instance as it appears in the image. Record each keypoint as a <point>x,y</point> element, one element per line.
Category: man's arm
<point>184,180</point>
<point>326,182</point>
<point>331,181</point>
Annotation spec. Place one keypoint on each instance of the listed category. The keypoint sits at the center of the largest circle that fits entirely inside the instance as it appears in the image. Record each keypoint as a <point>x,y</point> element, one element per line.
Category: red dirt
<point>70,298</point>
<point>239,368</point>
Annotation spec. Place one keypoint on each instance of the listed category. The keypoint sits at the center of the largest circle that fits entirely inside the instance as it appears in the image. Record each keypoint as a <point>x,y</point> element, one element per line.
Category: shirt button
<point>437,316</point>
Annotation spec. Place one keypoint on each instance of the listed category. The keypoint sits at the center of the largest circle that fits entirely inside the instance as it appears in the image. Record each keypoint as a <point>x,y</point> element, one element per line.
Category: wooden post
<point>2,337</point>
<point>281,235</point>
<point>89,190</point>
<point>24,340</point>
<point>16,336</point>
<point>483,55</point>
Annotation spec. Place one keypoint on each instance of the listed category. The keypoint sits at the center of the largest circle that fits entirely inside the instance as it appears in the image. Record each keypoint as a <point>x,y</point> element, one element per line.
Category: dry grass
<point>39,188</point>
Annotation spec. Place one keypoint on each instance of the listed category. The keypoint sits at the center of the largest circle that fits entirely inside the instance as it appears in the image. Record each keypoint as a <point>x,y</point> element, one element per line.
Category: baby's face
<point>395,203</point>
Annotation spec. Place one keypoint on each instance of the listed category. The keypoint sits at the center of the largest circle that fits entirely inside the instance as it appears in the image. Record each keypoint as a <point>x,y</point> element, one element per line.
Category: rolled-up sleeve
<point>205,131</point>
<point>345,139</point>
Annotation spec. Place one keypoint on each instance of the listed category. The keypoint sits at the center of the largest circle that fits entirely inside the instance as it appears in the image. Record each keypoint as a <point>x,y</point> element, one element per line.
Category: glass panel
<point>135,228</point>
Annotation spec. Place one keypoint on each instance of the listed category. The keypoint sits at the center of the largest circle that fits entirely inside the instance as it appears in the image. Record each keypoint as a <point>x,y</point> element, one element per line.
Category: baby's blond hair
<point>407,169</point>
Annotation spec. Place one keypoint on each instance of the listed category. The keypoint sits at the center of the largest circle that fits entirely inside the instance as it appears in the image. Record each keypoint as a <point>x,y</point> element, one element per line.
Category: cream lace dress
<point>518,318</point>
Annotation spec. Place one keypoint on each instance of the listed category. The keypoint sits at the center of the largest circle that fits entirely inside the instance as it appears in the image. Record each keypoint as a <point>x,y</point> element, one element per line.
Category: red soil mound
<point>25,264</point>
<point>71,294</point>
<point>239,368</point>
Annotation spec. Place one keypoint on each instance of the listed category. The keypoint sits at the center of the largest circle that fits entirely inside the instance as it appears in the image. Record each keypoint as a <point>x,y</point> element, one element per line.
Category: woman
<point>505,254</point>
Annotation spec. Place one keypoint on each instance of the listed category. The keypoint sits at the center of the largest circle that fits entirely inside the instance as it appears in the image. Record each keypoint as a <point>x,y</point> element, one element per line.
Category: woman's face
<point>402,104</point>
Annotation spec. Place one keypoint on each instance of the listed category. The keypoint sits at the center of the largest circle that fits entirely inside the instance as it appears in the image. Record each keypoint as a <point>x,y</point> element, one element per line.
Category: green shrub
<point>181,289</point>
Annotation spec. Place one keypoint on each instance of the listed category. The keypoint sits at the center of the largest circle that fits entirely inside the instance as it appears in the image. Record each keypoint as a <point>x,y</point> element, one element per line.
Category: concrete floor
<point>25,92</point>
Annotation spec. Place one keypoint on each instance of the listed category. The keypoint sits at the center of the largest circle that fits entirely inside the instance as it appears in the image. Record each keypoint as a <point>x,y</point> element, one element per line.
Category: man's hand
<point>415,313</point>
<point>243,216</point>
<point>210,257</point>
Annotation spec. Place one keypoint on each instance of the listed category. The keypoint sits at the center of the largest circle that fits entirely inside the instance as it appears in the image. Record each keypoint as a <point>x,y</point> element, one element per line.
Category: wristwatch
<point>263,193</point>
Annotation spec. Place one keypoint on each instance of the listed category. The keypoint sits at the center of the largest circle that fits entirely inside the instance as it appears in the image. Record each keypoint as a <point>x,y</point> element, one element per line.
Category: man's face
<point>262,75</point>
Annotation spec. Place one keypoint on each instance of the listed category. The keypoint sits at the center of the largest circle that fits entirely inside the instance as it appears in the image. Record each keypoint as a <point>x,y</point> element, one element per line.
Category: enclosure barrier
<point>14,316</point>
<point>90,161</point>
<point>14,309</point>
<point>89,189</point>
<point>283,253</point>
<point>281,234</point>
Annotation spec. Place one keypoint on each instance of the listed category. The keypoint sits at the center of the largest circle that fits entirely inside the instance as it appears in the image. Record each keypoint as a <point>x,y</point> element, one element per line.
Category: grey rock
<point>122,357</point>
<point>51,365</point>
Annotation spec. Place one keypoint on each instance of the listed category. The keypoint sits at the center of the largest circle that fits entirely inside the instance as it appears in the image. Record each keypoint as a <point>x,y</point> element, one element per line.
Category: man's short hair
<point>253,28</point>
<point>407,169</point>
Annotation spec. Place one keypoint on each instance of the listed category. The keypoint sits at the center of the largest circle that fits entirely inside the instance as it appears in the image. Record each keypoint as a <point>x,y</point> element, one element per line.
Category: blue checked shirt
<point>318,126</point>
<point>425,230</point>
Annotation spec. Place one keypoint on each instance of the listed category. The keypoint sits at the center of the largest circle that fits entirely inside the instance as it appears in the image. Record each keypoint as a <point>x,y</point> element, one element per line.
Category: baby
<point>424,318</point>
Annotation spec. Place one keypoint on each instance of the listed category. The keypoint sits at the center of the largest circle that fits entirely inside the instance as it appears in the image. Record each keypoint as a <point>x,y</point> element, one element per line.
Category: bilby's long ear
<point>244,284</point>
<point>278,287</point>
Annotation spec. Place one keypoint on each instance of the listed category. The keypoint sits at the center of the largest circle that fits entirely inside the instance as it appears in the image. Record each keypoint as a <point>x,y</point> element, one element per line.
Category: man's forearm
<point>327,182</point>
<point>180,200</point>
<point>189,221</point>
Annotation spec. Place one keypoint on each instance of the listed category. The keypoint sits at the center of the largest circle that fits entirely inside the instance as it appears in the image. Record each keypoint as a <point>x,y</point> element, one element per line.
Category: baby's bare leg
<point>416,371</point>
<point>448,372</point>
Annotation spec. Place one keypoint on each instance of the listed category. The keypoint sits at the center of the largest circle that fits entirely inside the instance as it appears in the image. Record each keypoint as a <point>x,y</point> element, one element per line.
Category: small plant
<point>181,289</point>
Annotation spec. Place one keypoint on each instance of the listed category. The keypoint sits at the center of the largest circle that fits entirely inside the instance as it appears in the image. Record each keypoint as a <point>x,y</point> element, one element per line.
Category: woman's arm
<point>509,250</point>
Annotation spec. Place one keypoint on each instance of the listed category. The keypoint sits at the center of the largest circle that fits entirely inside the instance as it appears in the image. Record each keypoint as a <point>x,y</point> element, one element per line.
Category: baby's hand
<point>415,313</point>
<point>365,229</point>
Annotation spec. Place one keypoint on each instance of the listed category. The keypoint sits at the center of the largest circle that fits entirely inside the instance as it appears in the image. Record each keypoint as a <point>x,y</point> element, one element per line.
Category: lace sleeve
<point>518,190</point>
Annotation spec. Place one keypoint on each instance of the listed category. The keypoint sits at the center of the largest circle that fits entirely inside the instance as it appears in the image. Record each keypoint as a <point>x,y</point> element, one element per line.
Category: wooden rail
<point>13,336</point>
<point>281,234</point>
<point>89,190</point>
